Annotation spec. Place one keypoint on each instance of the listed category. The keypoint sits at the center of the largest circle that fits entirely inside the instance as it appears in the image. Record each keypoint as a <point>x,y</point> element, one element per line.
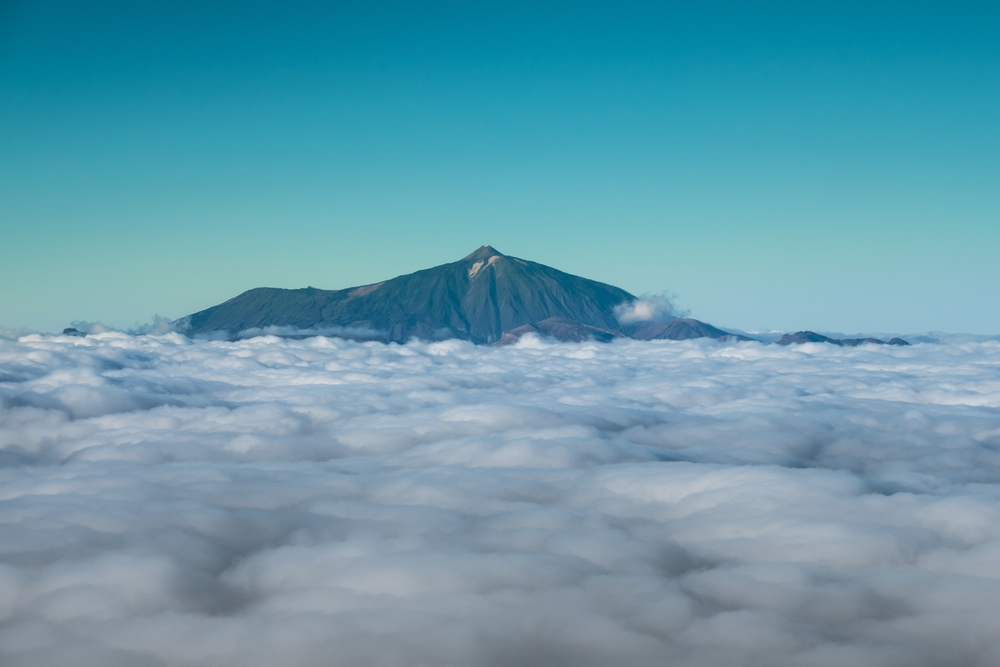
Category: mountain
<point>800,337</point>
<point>813,337</point>
<point>560,328</point>
<point>478,298</point>
<point>676,329</point>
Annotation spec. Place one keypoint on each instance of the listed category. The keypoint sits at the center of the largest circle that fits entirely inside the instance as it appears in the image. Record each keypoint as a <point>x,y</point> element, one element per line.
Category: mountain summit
<point>478,298</point>
<point>482,252</point>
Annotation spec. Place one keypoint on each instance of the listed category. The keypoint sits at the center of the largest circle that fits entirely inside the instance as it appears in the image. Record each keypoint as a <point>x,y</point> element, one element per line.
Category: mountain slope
<point>560,328</point>
<point>675,329</point>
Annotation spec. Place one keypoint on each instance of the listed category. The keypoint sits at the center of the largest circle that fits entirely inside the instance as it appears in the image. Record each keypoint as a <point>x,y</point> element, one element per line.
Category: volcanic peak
<point>482,253</point>
<point>478,298</point>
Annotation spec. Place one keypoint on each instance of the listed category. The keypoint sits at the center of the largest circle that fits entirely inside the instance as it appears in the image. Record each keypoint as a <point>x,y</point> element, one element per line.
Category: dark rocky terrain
<point>682,328</point>
<point>560,328</point>
<point>813,337</point>
<point>486,297</point>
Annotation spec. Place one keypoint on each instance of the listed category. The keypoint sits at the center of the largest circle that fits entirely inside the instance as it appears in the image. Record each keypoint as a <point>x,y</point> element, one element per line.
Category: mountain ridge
<point>477,298</point>
<point>486,297</point>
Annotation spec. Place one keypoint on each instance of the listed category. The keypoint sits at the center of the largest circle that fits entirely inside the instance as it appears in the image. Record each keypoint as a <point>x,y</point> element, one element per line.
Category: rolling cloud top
<point>274,501</point>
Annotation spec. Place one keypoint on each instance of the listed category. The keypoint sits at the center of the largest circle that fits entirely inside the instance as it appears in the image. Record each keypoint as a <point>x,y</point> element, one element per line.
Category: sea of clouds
<point>308,502</point>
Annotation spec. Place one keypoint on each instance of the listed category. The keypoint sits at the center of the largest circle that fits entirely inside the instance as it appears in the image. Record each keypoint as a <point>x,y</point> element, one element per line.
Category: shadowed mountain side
<point>676,329</point>
<point>477,298</point>
<point>813,337</point>
<point>562,329</point>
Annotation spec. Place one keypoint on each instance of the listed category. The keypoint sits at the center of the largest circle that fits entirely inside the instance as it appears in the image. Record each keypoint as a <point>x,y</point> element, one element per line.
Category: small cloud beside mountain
<point>648,308</point>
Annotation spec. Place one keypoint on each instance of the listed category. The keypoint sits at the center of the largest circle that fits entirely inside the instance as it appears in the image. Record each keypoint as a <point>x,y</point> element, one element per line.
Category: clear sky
<point>803,165</point>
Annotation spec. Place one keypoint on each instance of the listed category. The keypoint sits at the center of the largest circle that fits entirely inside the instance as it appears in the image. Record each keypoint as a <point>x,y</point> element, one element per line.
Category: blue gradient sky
<point>833,167</point>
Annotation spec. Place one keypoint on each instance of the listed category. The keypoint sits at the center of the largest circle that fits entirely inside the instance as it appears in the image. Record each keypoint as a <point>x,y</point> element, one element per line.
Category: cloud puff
<point>649,308</point>
<point>269,501</point>
<point>158,326</point>
<point>13,333</point>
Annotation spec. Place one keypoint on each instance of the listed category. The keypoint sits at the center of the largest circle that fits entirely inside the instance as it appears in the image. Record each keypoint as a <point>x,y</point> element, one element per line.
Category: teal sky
<point>834,166</point>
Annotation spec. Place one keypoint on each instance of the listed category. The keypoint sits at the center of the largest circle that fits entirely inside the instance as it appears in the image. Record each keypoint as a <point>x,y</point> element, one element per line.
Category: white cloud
<point>648,308</point>
<point>173,502</point>
<point>13,333</point>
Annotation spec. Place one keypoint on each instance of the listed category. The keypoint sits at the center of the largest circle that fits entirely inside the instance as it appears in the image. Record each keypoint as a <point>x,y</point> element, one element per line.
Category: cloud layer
<point>328,502</point>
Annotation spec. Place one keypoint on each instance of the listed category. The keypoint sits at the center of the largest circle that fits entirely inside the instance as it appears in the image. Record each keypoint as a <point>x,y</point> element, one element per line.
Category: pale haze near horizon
<point>774,167</point>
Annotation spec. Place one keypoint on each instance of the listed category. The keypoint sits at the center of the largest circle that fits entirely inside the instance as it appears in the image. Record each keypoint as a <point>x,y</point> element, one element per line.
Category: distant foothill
<point>813,337</point>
